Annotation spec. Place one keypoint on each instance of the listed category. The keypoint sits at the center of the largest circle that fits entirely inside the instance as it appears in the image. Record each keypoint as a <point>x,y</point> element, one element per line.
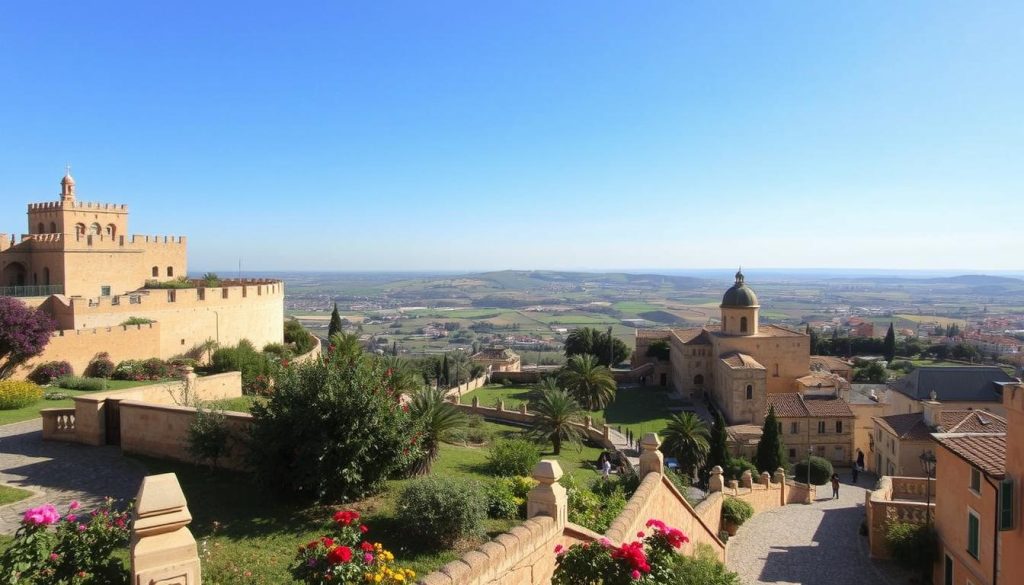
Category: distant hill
<point>531,279</point>
<point>965,280</point>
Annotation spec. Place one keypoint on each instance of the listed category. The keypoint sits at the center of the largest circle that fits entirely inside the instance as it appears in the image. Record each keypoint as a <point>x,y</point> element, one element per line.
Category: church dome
<point>739,294</point>
<point>67,180</point>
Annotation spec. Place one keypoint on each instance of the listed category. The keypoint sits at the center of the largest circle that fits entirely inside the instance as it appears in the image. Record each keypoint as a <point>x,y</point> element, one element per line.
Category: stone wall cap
<point>547,471</point>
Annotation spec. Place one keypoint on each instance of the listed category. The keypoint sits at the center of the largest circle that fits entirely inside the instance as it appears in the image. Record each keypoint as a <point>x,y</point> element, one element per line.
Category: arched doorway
<point>698,380</point>
<point>15,274</point>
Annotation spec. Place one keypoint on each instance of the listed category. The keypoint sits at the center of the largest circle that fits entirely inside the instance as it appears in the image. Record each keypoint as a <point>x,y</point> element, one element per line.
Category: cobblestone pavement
<point>811,544</point>
<point>60,472</point>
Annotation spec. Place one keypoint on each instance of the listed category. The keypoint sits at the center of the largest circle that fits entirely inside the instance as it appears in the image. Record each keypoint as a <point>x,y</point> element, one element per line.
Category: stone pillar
<point>190,381</point>
<point>715,481</point>
<point>747,479</point>
<point>651,459</point>
<point>548,497</point>
<point>522,408</point>
<point>162,548</point>
<point>501,406</point>
<point>780,476</point>
<point>607,432</point>
<point>588,421</point>
<point>476,402</point>
<point>766,479</point>
<point>734,486</point>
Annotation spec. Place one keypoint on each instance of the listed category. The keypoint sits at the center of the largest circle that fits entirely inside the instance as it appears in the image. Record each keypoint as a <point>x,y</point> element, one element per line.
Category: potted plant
<point>734,513</point>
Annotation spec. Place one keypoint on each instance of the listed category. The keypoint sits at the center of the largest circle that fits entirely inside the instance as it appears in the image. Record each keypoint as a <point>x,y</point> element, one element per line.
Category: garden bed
<point>32,410</point>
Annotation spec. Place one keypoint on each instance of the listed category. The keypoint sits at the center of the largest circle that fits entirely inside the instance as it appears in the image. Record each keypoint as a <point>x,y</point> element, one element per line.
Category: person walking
<point>606,467</point>
<point>835,486</point>
<point>854,473</point>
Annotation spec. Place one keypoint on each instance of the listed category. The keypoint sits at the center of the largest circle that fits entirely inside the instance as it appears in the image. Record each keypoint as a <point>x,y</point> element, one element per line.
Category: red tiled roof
<point>741,360</point>
<point>795,405</point>
<point>986,451</point>
<point>831,363</point>
<point>971,421</point>
<point>906,426</point>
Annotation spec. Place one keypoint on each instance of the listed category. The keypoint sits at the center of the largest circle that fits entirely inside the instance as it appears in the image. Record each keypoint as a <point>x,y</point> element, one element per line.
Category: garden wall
<point>310,355</point>
<point>457,392</point>
<point>79,346</point>
<point>895,499</point>
<point>658,498</point>
<point>159,430</point>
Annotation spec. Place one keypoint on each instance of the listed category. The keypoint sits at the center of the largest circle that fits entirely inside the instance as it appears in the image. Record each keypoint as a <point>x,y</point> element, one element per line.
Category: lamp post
<point>810,449</point>
<point>928,466</point>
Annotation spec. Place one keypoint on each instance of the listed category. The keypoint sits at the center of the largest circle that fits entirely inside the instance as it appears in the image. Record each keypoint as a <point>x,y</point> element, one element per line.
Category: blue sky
<point>485,135</point>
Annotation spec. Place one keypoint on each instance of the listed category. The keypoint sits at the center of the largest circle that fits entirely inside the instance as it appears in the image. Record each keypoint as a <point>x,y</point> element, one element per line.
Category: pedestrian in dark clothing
<point>835,486</point>
<point>854,473</point>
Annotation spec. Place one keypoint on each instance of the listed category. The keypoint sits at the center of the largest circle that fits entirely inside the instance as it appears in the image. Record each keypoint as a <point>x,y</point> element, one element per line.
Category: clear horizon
<point>580,136</point>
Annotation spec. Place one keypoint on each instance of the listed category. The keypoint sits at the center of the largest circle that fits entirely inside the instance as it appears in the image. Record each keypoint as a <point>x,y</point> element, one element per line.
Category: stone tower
<point>739,309</point>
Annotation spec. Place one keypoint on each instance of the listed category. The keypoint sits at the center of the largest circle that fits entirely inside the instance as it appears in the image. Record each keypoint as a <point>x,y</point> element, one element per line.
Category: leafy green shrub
<point>211,280</point>
<point>49,371</point>
<point>912,545</point>
<point>280,351</point>
<point>702,568</point>
<point>138,370</point>
<point>208,436</point>
<point>595,507</point>
<point>137,321</point>
<point>256,367</point>
<point>100,367</point>
<point>513,457</point>
<point>180,282</point>
<point>15,394</point>
<point>736,511</point>
<point>506,496</point>
<point>332,430</point>
<point>821,471</point>
<point>735,467</point>
<point>298,335</point>
<point>80,383</point>
<point>442,510</point>
<point>723,536</point>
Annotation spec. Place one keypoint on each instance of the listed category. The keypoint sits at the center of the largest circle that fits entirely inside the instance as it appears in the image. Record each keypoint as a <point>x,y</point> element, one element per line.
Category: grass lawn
<point>642,410</point>
<point>240,404</point>
<point>258,534</point>
<point>9,495</point>
<point>32,410</point>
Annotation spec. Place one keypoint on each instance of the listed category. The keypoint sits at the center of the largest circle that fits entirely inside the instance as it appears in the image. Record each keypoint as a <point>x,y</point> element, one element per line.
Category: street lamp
<point>810,450</point>
<point>928,466</point>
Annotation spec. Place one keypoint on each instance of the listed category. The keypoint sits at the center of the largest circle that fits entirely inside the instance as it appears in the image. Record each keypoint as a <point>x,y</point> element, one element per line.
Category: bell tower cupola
<point>739,308</point>
<point>67,186</point>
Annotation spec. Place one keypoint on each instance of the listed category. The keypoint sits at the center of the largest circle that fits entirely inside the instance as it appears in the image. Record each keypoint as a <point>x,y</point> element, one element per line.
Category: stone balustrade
<point>58,424</point>
<point>896,499</point>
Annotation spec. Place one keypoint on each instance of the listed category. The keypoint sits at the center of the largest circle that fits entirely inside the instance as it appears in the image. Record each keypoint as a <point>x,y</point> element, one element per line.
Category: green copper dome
<point>739,294</point>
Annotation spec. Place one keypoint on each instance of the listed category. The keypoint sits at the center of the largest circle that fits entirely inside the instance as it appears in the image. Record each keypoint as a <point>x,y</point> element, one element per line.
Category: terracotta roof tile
<point>986,451</point>
<point>793,404</point>
<point>787,405</point>
<point>910,426</point>
<point>971,421</point>
<point>741,360</point>
<point>830,363</point>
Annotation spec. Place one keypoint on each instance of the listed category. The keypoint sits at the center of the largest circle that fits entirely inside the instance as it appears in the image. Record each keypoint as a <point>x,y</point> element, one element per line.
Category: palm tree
<point>404,377</point>
<point>346,346</point>
<point>592,385</point>
<point>686,439</point>
<point>207,347</point>
<point>437,419</point>
<point>555,413</point>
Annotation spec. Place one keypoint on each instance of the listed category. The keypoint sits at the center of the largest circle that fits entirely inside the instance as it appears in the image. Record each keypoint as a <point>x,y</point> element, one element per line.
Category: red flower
<point>346,517</point>
<point>338,555</point>
<point>367,547</point>
<point>328,541</point>
<point>364,528</point>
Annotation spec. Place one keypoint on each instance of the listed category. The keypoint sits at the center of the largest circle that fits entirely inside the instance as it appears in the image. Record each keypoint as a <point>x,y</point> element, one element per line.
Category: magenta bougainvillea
<point>24,333</point>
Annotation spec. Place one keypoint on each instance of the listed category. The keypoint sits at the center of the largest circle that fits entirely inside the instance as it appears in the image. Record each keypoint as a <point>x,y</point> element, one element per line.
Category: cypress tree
<point>718,452</point>
<point>890,345</point>
<point>335,325</point>
<point>770,453</point>
<point>445,373</point>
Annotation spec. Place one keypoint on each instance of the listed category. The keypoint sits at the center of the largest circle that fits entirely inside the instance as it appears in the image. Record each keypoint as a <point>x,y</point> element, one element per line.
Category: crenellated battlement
<point>68,241</point>
<point>230,292</point>
<point>78,206</point>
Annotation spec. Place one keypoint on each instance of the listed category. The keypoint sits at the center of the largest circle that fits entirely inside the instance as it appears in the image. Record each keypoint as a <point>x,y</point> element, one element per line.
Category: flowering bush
<point>101,366</point>
<point>647,561</point>
<point>18,394</point>
<point>49,371</point>
<point>346,558</point>
<point>77,548</point>
<point>139,370</point>
<point>24,333</point>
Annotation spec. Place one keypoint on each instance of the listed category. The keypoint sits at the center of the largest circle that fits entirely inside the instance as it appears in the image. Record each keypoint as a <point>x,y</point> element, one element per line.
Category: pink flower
<point>70,517</point>
<point>74,505</point>
<point>54,556</point>
<point>367,558</point>
<point>559,549</point>
<point>82,527</point>
<point>635,574</point>
<point>640,534</point>
<point>42,516</point>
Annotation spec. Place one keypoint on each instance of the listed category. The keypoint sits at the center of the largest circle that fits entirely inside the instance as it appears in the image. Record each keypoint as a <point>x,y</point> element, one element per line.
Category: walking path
<point>811,544</point>
<point>60,472</point>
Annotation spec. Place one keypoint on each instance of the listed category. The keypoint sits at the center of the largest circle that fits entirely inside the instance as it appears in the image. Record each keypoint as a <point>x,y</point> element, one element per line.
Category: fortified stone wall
<point>79,346</point>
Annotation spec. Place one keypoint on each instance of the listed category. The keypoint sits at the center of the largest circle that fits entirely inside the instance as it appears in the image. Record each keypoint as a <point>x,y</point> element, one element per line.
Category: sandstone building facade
<point>79,264</point>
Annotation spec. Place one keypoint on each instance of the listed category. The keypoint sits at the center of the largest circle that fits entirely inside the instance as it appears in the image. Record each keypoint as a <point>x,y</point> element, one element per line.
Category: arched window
<point>698,380</point>
<point>94,229</point>
<point>111,230</point>
<point>170,271</point>
<point>46,276</point>
<point>743,324</point>
<point>40,229</point>
<point>53,227</point>
<point>750,392</point>
<point>776,370</point>
<point>79,229</point>
<point>156,271</point>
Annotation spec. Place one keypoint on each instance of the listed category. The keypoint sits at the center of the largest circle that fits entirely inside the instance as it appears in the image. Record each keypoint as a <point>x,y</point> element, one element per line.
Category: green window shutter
<point>972,535</point>
<point>1006,500</point>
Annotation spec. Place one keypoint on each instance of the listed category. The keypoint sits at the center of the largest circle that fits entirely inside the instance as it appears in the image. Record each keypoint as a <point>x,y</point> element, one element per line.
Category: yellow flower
<point>399,577</point>
<point>377,578</point>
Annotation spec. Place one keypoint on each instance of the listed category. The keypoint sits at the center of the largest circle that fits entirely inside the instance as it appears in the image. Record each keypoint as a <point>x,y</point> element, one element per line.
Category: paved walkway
<point>811,544</point>
<point>60,472</point>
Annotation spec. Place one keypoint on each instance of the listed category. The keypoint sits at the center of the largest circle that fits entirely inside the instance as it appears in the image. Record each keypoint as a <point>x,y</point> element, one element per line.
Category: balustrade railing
<point>58,424</point>
<point>32,291</point>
